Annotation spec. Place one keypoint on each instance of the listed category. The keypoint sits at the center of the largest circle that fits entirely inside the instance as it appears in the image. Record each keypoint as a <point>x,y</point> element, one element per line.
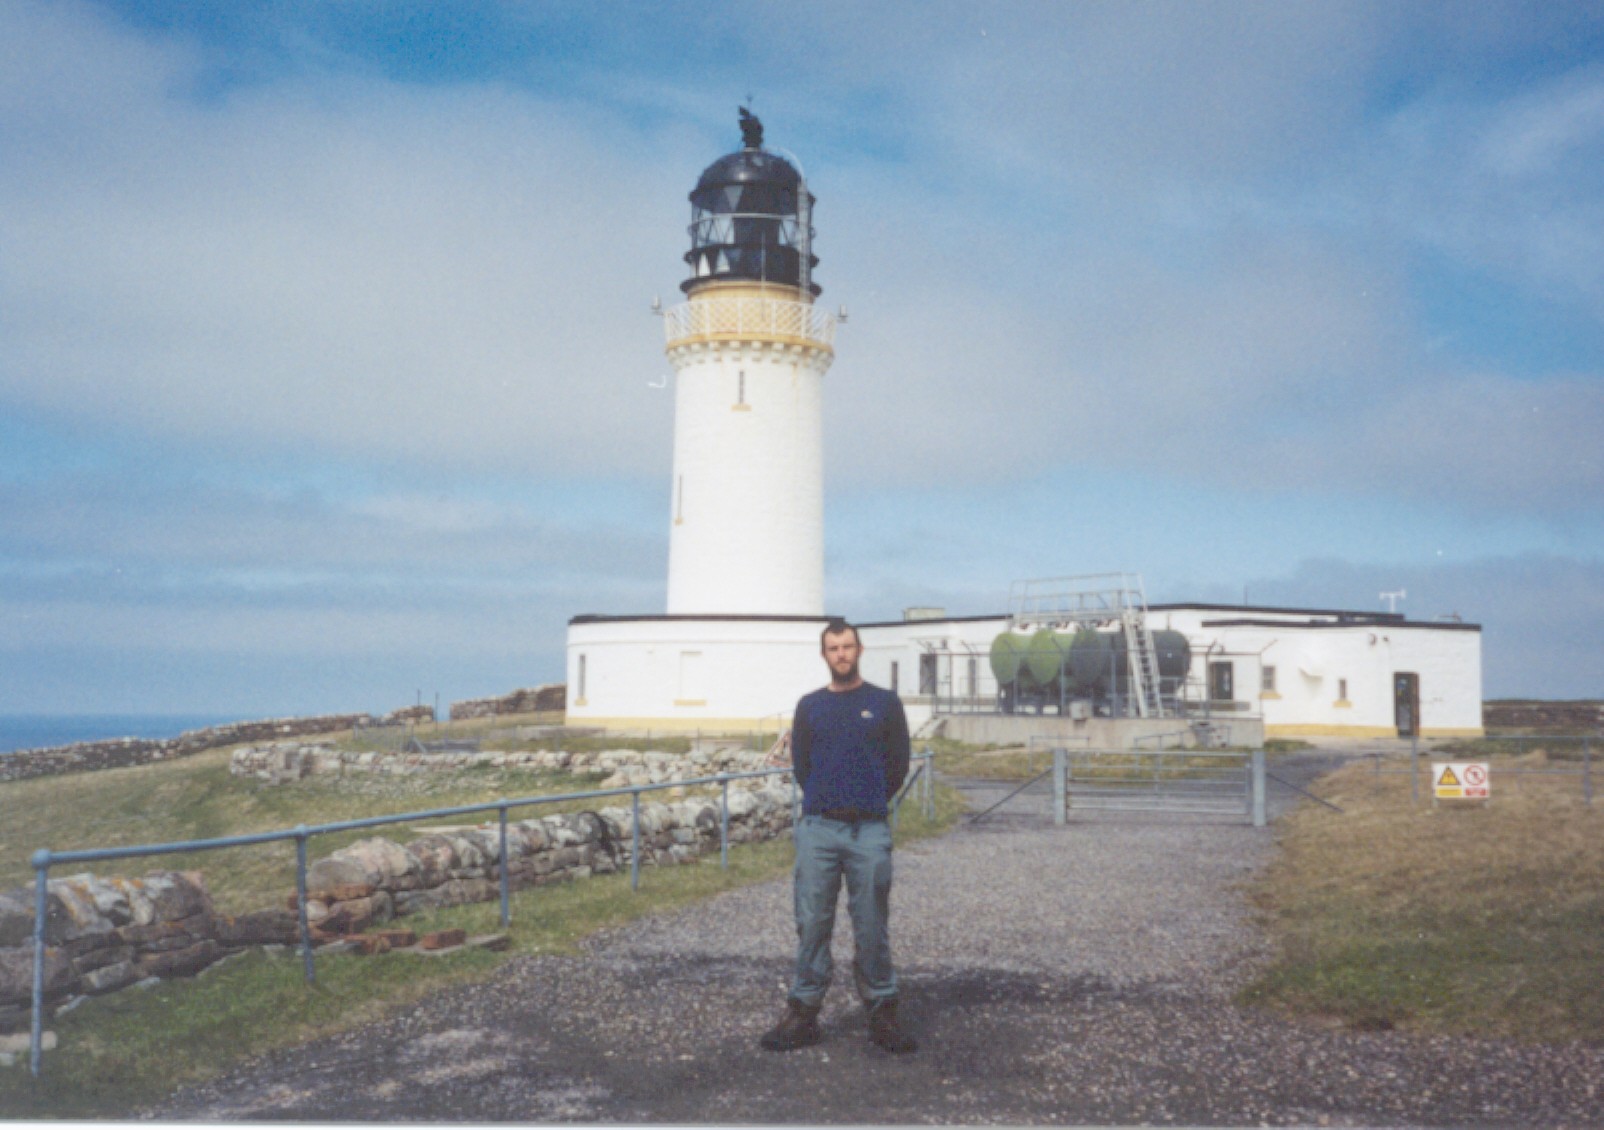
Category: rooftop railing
<point>739,316</point>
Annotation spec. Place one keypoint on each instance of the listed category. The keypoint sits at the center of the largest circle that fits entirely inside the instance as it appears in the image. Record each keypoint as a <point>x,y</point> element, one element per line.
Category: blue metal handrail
<point>43,859</point>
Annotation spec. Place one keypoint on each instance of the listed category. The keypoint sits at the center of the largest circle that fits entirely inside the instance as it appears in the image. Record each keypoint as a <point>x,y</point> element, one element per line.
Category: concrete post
<point>1060,786</point>
<point>1258,788</point>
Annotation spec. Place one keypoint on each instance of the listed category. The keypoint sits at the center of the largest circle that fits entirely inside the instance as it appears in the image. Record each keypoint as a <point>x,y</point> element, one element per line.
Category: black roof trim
<point>1346,614</point>
<point>935,620</point>
<point>598,618</point>
<point>1389,625</point>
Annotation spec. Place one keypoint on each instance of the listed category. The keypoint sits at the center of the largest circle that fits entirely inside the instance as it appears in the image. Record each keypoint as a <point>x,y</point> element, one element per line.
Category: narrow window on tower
<point>740,404</point>
<point>679,501</point>
<point>893,675</point>
<point>580,698</point>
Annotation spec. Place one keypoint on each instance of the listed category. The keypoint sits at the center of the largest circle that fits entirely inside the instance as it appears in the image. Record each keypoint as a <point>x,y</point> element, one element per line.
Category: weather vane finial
<point>751,129</point>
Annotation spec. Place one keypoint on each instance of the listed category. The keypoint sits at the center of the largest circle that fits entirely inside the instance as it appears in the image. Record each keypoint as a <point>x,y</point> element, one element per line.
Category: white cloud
<point>350,265</point>
<point>1107,239</point>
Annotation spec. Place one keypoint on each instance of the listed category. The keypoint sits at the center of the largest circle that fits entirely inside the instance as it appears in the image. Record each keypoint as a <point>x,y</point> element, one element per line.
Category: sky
<point>327,355</point>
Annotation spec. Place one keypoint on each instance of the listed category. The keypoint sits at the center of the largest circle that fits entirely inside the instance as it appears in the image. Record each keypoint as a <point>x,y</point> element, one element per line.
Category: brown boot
<point>885,1031</point>
<point>798,1028</point>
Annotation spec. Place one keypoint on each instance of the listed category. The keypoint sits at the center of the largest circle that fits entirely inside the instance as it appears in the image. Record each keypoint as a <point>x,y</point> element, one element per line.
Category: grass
<point>128,1050</point>
<point>1484,920</point>
<point>1019,763</point>
<point>997,763</point>
<point>1556,747</point>
<point>501,732</point>
<point>197,798</point>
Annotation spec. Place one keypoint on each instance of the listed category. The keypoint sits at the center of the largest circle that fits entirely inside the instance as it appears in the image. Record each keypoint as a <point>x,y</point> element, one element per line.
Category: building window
<point>580,677</point>
<point>974,675</point>
<point>1342,690</point>
<point>1267,682</point>
<point>894,673</point>
<point>691,692</point>
<point>927,674</point>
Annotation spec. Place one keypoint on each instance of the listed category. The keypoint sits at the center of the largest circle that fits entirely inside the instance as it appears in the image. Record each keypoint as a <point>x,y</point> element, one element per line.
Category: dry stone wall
<point>528,700</point>
<point>103,934</point>
<point>377,879</point>
<point>278,762</point>
<point>117,753</point>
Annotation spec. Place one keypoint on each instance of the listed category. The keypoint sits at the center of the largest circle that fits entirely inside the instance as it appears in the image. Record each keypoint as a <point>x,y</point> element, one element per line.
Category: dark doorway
<point>1222,684</point>
<point>927,674</point>
<point>1406,703</point>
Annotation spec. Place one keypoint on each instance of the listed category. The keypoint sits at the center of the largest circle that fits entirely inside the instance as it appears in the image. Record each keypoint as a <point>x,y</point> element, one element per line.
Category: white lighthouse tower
<point>749,351</point>
<point>739,641</point>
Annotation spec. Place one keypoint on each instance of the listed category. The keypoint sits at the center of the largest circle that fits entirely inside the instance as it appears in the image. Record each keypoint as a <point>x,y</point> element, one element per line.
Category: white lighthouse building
<point>749,351</point>
<point>739,640</point>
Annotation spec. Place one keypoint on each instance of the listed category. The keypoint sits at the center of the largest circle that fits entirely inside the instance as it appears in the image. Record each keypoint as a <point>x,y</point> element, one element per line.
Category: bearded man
<point>849,751</point>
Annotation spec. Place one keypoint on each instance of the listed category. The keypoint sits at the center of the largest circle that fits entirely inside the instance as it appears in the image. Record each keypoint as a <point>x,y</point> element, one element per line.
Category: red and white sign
<point>1460,780</point>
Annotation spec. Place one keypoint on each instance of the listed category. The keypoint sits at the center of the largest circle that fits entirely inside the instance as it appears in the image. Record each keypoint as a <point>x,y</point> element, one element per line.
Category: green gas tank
<point>1008,656</point>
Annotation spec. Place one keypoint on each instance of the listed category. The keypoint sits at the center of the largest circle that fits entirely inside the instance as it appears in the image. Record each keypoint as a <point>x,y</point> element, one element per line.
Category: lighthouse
<point>749,350</point>
<point>739,641</point>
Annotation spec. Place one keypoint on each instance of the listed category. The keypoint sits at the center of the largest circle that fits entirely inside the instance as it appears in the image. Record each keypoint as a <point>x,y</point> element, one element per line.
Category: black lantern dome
<point>746,225</point>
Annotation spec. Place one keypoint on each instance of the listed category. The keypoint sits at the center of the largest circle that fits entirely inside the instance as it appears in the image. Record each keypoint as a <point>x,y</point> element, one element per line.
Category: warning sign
<point>1460,780</point>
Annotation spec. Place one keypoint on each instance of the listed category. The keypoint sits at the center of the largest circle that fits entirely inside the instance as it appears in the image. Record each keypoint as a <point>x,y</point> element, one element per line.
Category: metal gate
<point>1200,782</point>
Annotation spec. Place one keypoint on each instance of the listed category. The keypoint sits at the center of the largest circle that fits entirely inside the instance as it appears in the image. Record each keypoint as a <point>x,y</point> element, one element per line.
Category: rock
<point>342,892</point>
<point>100,958</point>
<point>178,894</point>
<point>16,918</point>
<point>179,963</point>
<point>335,871</point>
<point>434,856</point>
<point>16,974</point>
<point>149,934</point>
<point>369,945</point>
<point>259,927</point>
<point>398,939</point>
<point>112,977</point>
<point>346,917</point>
<point>442,939</point>
<point>356,915</point>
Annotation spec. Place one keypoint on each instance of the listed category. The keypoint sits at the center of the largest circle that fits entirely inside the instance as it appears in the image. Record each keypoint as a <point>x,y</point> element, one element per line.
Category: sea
<point>34,731</point>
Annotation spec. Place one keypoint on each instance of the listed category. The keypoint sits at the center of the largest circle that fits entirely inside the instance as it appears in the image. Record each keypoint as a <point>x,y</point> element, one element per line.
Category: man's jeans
<point>827,850</point>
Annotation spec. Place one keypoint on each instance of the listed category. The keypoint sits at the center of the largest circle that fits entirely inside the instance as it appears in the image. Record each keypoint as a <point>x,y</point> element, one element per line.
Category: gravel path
<point>1053,975</point>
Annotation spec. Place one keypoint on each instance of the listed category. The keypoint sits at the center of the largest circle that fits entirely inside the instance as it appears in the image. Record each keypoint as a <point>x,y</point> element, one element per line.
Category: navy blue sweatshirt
<point>850,749</point>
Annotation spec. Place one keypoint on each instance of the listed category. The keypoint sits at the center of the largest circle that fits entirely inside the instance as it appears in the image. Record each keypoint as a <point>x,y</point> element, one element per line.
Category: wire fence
<point>920,777</point>
<point>1567,749</point>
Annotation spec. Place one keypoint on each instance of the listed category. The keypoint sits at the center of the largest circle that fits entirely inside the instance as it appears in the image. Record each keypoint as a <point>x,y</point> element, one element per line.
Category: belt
<point>852,816</point>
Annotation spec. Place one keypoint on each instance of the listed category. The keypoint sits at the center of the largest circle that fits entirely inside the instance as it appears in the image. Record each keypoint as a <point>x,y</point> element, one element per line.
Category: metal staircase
<point>1143,657</point>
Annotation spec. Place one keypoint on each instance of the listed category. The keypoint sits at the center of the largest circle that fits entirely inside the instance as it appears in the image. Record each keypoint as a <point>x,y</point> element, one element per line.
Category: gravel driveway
<point>1081,974</point>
